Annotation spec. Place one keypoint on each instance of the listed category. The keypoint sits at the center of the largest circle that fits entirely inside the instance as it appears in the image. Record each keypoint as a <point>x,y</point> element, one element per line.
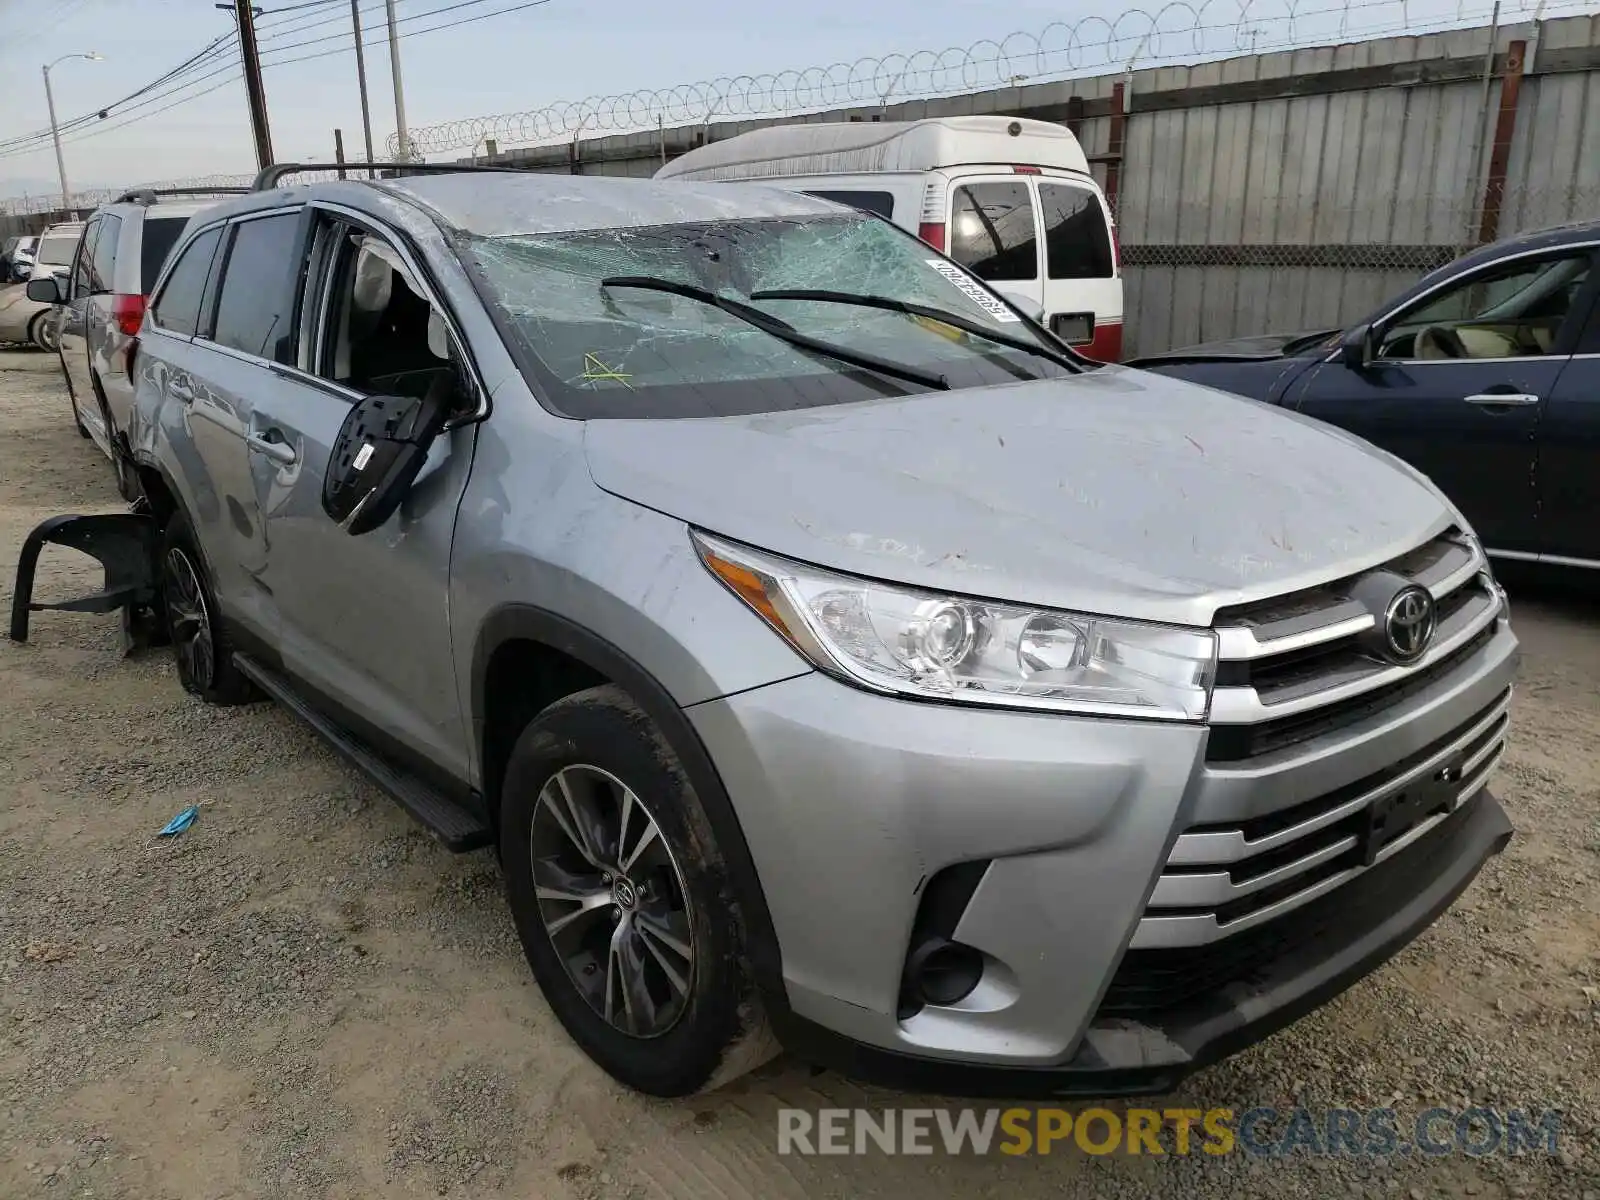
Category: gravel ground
<point>305,996</point>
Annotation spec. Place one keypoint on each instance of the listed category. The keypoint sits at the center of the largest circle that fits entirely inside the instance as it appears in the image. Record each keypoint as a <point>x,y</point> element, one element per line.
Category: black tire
<point>200,646</point>
<point>42,333</point>
<point>712,1025</point>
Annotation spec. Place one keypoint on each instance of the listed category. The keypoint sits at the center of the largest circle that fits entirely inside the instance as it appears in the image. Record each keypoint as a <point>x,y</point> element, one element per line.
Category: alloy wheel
<point>191,620</point>
<point>612,900</point>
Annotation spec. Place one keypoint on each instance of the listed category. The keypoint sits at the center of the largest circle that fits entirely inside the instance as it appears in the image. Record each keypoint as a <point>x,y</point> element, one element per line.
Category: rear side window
<point>103,259</point>
<point>881,203</point>
<point>160,235</point>
<point>1077,244</point>
<point>992,231</point>
<point>82,267</point>
<point>255,307</point>
<point>178,308</point>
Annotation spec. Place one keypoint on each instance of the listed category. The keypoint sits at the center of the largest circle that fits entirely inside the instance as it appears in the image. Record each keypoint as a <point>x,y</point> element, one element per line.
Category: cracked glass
<point>615,351</point>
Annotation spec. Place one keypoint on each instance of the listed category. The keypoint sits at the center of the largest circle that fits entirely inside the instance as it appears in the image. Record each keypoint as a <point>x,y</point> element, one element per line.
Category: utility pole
<point>244,14</point>
<point>338,150</point>
<point>361,78</point>
<point>401,136</point>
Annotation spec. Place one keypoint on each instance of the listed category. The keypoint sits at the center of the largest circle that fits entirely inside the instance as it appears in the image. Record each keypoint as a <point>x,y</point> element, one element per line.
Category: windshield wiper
<point>927,311</point>
<point>780,329</point>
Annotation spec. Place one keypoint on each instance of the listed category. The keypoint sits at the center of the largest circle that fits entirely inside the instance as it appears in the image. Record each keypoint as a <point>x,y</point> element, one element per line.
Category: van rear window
<point>1077,243</point>
<point>881,203</point>
<point>160,235</point>
<point>992,233</point>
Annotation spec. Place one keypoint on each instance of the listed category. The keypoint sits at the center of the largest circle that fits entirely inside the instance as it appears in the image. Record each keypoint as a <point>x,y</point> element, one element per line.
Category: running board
<point>457,828</point>
<point>125,546</point>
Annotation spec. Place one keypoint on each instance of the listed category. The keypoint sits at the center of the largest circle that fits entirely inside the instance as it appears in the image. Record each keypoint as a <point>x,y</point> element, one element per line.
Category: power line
<point>432,12</point>
<point>190,66</point>
<point>8,151</point>
<point>379,41</point>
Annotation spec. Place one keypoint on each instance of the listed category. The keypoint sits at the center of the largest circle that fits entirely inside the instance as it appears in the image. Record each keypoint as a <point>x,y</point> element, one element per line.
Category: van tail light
<point>932,232</point>
<point>128,313</point>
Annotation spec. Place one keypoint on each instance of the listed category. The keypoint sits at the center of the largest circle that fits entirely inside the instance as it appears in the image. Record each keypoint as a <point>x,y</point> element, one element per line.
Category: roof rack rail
<point>268,177</point>
<point>150,195</point>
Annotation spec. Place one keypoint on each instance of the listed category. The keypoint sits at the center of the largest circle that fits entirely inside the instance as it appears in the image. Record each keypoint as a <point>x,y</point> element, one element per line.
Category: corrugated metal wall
<point>1337,196</point>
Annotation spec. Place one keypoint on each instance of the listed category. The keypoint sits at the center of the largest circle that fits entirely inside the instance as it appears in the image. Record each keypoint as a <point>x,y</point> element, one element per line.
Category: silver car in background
<point>827,650</point>
<point>119,257</point>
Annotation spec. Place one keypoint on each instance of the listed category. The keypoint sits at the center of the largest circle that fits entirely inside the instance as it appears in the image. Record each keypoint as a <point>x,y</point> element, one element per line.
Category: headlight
<point>897,639</point>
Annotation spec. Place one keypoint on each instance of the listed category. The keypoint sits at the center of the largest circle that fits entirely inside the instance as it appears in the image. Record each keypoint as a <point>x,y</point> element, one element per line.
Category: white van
<point>987,191</point>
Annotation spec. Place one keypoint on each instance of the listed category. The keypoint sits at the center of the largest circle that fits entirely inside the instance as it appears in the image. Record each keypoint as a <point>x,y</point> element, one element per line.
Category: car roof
<point>493,204</point>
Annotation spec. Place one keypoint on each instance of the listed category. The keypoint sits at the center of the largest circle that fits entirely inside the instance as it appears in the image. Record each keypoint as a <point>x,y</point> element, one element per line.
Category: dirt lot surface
<point>304,996</point>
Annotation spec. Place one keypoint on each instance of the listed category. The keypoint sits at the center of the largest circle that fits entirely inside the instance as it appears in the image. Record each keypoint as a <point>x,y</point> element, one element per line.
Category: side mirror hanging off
<point>378,454</point>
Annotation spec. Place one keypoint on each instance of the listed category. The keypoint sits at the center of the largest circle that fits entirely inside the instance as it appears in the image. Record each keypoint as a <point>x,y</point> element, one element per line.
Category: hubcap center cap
<point>624,893</point>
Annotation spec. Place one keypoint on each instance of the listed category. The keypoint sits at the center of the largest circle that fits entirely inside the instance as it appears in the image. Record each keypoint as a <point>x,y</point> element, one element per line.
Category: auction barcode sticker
<point>971,290</point>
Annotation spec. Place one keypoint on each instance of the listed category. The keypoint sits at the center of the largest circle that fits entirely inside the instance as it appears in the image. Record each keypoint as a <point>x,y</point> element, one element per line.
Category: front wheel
<point>622,902</point>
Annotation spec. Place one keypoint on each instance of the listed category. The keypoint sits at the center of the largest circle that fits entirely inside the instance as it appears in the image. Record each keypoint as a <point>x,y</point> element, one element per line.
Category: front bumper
<point>858,809</point>
<point>1340,938</point>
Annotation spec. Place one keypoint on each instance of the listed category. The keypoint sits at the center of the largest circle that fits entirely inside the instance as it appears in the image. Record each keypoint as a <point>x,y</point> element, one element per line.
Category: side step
<point>456,827</point>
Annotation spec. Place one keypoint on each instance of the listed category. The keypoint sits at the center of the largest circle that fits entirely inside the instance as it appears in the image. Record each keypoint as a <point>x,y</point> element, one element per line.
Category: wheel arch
<point>582,659</point>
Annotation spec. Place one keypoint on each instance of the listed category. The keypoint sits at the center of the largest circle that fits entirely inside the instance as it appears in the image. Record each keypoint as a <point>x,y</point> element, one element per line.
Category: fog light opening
<point>942,972</point>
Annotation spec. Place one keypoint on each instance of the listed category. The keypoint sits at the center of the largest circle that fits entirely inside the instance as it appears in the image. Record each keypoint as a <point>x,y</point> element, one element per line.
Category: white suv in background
<point>119,258</point>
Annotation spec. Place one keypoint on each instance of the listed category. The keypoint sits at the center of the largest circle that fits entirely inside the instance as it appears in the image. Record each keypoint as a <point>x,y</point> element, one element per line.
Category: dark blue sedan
<point>1485,374</point>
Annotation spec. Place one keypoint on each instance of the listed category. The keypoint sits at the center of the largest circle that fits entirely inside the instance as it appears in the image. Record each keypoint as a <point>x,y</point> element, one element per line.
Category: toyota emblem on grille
<point>1408,624</point>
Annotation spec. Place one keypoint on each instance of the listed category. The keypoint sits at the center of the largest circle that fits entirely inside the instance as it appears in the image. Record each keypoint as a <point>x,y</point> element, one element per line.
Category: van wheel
<point>622,902</point>
<point>200,645</point>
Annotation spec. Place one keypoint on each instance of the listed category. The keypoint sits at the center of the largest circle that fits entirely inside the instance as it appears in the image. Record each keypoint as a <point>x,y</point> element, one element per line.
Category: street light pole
<point>55,131</point>
<point>401,136</point>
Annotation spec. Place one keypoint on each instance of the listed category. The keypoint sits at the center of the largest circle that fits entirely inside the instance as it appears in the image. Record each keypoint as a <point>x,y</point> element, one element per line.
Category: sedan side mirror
<point>45,290</point>
<point>1356,347</point>
<point>378,454</point>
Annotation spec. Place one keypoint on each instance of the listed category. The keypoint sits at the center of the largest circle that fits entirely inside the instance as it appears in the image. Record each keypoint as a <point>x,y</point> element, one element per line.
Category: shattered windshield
<point>629,351</point>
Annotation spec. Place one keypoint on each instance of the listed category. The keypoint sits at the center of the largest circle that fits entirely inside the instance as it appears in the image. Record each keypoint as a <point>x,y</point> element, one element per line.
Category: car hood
<point>1115,491</point>
<point>1246,349</point>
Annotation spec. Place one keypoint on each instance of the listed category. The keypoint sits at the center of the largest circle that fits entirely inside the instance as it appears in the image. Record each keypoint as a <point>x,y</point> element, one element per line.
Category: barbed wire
<point>1177,31</point>
<point>93,198</point>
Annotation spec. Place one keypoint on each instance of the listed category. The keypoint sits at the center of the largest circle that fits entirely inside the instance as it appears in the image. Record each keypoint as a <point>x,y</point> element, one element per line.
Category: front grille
<point>1152,983</point>
<point>1221,879</point>
<point>1302,666</point>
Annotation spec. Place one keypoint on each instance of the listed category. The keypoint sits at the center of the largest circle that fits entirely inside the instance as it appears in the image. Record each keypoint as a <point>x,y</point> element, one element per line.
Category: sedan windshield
<point>801,312</point>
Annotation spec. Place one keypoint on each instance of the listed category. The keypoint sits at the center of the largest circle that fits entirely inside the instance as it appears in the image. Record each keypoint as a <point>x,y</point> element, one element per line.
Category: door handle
<point>278,450</point>
<point>1502,399</point>
<point>180,391</point>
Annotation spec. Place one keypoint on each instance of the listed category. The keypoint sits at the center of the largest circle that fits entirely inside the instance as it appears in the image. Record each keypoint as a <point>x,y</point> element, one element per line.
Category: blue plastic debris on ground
<point>180,822</point>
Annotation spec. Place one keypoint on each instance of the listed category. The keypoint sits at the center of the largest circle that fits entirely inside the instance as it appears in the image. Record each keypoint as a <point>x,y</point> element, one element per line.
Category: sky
<point>513,56</point>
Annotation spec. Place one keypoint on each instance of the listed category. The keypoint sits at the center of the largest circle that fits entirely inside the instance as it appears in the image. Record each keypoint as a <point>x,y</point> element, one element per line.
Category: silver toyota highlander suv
<point>826,650</point>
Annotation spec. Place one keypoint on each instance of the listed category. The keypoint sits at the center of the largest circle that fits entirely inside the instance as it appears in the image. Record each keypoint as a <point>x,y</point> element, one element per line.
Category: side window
<point>992,231</point>
<point>102,273</point>
<point>1515,310</point>
<point>82,265</point>
<point>382,335</point>
<point>1077,244</point>
<point>881,203</point>
<point>255,307</point>
<point>177,308</point>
